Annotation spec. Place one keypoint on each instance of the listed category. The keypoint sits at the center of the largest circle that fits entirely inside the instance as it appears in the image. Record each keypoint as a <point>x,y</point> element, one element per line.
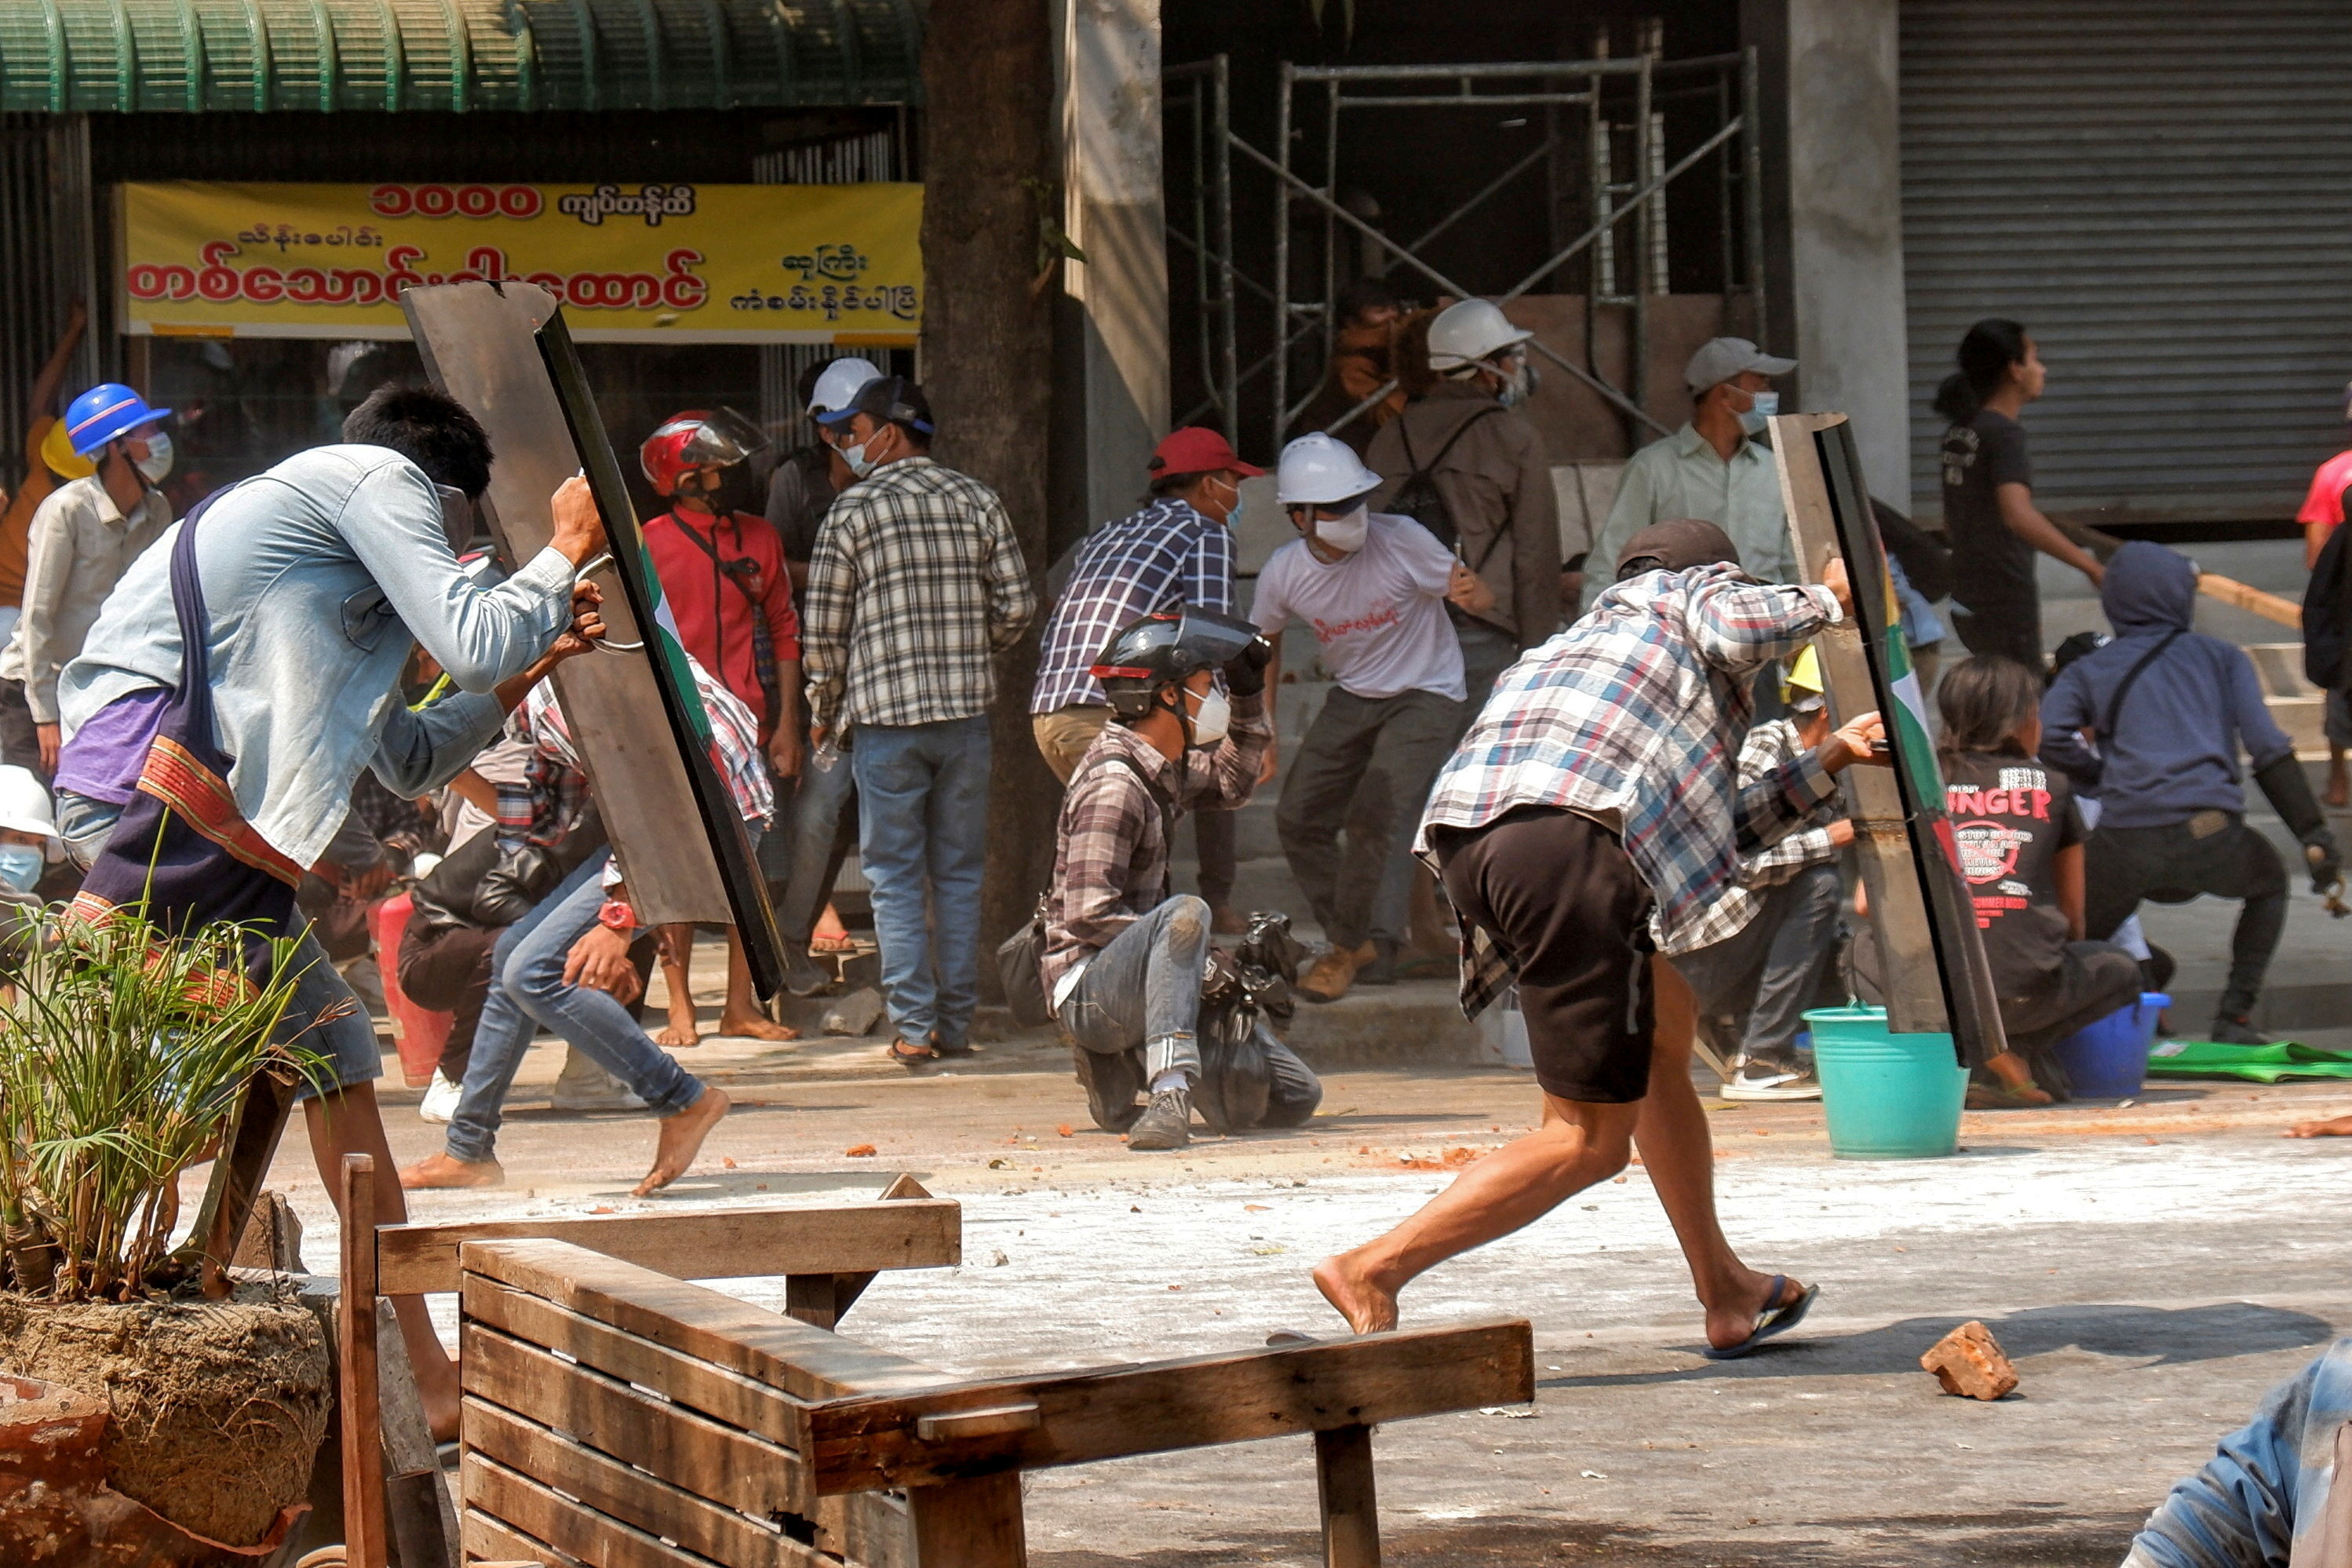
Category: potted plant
<point>124,1055</point>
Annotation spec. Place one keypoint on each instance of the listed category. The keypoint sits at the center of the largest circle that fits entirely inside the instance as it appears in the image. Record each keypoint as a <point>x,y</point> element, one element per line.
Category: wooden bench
<point>826,1254</point>
<point>617,1416</point>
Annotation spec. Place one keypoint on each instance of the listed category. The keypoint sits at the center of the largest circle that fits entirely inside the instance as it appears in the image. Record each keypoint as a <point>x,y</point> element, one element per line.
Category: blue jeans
<point>806,851</point>
<point>526,990</point>
<point>347,1040</point>
<point>922,821</point>
<point>1143,988</point>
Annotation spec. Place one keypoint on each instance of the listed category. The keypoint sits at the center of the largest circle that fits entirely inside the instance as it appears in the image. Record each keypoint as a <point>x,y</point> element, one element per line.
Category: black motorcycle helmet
<point>1166,647</point>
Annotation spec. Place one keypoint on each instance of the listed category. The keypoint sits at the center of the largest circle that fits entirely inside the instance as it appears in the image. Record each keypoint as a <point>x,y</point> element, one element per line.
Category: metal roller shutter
<point>2161,190</point>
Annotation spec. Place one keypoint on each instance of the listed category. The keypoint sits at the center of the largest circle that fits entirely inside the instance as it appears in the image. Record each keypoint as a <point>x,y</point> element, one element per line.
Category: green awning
<point>385,56</point>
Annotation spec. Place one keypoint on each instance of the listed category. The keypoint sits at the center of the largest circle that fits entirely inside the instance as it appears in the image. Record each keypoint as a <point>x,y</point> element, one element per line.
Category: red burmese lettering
<point>306,285</point>
<point>476,201</point>
<point>519,202</point>
<point>264,285</point>
<point>392,200</point>
<point>218,281</point>
<point>681,290</point>
<point>400,267</point>
<point>436,201</point>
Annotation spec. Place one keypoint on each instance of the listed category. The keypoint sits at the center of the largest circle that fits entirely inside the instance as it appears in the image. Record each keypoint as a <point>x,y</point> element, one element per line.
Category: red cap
<point>1193,450</point>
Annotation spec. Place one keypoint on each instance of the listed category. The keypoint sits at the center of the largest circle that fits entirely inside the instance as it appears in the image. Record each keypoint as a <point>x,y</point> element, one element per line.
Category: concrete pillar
<point>1834,217</point>
<point>1115,211</point>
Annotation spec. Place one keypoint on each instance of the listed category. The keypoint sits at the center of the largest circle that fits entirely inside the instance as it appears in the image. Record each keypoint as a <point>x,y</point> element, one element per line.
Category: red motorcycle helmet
<point>697,438</point>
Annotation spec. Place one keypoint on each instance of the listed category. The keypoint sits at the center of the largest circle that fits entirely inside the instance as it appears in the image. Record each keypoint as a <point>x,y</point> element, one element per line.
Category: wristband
<point>615,915</point>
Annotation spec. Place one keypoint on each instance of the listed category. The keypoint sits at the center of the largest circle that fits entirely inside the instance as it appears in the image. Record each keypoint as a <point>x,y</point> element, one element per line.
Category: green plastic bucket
<point>1885,1096</point>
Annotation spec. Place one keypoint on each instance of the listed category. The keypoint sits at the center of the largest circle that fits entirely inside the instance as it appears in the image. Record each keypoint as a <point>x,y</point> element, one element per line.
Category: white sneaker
<point>440,1102</point>
<point>1757,1080</point>
<point>584,1086</point>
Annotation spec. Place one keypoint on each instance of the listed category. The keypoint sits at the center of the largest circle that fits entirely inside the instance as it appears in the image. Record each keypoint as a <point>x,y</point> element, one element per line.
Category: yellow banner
<point>822,264</point>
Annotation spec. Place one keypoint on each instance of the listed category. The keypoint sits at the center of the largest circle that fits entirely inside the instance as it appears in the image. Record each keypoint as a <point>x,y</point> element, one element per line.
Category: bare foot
<point>436,1171</point>
<point>751,1027</point>
<point>1735,1320</point>
<point>1347,1286</point>
<point>681,1139</point>
<point>831,935</point>
<point>2339,788</point>
<point>2334,1126</point>
<point>684,1029</point>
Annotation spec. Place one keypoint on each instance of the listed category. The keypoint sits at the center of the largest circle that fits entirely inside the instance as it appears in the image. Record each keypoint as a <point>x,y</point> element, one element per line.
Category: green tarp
<point>2254,1064</point>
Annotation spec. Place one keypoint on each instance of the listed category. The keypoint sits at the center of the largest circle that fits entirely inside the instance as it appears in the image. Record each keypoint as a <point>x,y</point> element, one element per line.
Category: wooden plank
<point>838,1238</point>
<point>847,1287</point>
<point>971,1523</point>
<point>478,346</point>
<point>800,1361</point>
<point>629,1495</point>
<point>873,1530</point>
<point>568,1527</point>
<point>422,1519</point>
<point>489,1541</point>
<point>1109,1412</point>
<point>741,1469</point>
<point>1938,980</point>
<point>365,1537</point>
<point>1350,1503</point>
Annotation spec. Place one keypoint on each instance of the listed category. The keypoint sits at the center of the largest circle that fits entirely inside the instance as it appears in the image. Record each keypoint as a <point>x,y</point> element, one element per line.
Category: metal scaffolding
<point>1602,116</point>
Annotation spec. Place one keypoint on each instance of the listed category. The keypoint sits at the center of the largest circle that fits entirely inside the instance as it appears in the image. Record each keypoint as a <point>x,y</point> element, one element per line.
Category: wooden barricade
<point>828,1256</point>
<point>614,1416</point>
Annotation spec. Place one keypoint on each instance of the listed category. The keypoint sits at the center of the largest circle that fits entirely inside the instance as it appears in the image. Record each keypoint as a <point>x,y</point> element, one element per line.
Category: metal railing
<point>1593,108</point>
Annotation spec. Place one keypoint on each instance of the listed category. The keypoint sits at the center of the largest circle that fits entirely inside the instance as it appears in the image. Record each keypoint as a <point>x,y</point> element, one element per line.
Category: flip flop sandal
<point>912,1058</point>
<point>1773,1321</point>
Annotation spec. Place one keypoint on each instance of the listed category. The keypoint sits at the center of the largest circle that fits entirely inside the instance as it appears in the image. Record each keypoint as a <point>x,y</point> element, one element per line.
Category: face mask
<point>1209,721</point>
<point>157,464</point>
<point>456,518</point>
<point>1761,407</point>
<point>1233,513</point>
<point>1344,534</point>
<point>20,865</point>
<point>1519,383</point>
<point>859,463</point>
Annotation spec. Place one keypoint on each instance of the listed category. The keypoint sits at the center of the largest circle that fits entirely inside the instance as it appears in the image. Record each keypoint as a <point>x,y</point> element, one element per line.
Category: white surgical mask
<point>1210,720</point>
<point>1519,381</point>
<point>157,464</point>
<point>1761,407</point>
<point>856,460</point>
<point>20,865</point>
<point>1344,534</point>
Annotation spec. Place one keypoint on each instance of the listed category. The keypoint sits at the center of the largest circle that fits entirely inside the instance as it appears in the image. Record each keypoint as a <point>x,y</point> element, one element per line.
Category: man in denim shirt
<point>319,576</point>
<point>2267,1497</point>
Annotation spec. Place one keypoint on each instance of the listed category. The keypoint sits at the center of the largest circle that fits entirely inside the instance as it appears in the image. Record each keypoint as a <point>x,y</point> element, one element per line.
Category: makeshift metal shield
<point>501,349</point>
<point>1937,980</point>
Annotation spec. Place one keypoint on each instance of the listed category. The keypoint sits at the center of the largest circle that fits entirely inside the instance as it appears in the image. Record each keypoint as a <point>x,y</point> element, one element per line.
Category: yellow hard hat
<point>57,452</point>
<point>1805,674</point>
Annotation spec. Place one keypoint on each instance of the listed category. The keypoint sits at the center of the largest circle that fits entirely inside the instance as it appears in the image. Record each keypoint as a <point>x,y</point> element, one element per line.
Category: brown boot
<point>1330,976</point>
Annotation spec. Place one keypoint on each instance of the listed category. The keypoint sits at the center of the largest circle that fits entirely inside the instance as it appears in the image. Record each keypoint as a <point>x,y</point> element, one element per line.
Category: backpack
<point>2327,613</point>
<point>1419,498</point>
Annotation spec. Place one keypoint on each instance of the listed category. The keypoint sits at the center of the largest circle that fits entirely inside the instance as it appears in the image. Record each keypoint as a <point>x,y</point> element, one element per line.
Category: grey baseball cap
<point>1721,359</point>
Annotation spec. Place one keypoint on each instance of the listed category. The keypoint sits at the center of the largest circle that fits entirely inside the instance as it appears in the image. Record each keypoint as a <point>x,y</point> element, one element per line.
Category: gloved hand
<point>1245,671</point>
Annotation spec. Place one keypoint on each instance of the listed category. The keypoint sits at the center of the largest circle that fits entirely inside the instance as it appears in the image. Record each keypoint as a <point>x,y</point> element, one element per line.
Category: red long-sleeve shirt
<point>714,617</point>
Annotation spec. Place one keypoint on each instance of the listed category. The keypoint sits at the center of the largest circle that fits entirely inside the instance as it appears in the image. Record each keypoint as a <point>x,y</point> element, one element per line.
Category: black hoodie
<point>2174,752</point>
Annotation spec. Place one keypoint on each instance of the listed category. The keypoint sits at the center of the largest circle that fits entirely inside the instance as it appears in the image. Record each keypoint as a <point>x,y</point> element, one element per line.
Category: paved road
<point>2152,1268</point>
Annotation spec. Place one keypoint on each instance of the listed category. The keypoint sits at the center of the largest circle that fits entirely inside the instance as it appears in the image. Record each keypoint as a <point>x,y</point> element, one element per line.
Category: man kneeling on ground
<point>1124,961</point>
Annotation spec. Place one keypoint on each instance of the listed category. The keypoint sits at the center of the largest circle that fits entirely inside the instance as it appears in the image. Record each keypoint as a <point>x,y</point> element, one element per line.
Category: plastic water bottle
<point>827,755</point>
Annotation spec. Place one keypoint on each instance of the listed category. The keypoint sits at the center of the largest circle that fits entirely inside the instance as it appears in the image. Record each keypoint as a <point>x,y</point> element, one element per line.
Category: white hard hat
<point>1318,471</point>
<point>1468,331</point>
<point>24,804</point>
<point>839,383</point>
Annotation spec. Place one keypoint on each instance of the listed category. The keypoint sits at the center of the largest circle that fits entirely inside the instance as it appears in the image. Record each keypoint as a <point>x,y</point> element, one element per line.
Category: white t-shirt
<point>1380,614</point>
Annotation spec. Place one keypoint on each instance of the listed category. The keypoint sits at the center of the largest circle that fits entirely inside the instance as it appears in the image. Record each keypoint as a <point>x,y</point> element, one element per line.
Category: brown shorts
<point>1559,898</point>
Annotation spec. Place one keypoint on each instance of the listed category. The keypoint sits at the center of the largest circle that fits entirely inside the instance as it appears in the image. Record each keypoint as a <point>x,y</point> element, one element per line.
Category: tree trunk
<point>987,79</point>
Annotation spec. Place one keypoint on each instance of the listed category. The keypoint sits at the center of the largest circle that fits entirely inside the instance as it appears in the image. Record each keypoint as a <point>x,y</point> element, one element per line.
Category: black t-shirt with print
<point>1992,568</point>
<point>2011,816</point>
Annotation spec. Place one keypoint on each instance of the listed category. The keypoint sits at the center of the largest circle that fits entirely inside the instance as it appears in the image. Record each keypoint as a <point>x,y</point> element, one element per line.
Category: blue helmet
<point>104,412</point>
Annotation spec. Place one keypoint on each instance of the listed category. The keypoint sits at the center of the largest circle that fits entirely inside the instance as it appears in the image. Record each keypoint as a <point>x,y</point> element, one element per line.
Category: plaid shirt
<point>1164,555</point>
<point>1769,748</point>
<point>916,583</point>
<point>547,802</point>
<point>1111,859</point>
<point>1633,715</point>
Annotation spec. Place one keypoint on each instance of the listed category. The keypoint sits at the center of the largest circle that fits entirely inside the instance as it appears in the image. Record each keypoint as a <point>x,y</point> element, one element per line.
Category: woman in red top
<point>722,572</point>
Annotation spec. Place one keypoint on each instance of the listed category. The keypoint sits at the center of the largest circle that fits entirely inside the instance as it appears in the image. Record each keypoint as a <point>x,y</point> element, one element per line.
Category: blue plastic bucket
<point>2108,1059</point>
<point>1885,1096</point>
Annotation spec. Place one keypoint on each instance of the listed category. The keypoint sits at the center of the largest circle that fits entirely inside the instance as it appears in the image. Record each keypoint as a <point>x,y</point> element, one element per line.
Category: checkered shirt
<point>1164,555</point>
<point>1635,715</point>
<point>1770,747</point>
<point>1110,860</point>
<point>916,582</point>
<point>546,804</point>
